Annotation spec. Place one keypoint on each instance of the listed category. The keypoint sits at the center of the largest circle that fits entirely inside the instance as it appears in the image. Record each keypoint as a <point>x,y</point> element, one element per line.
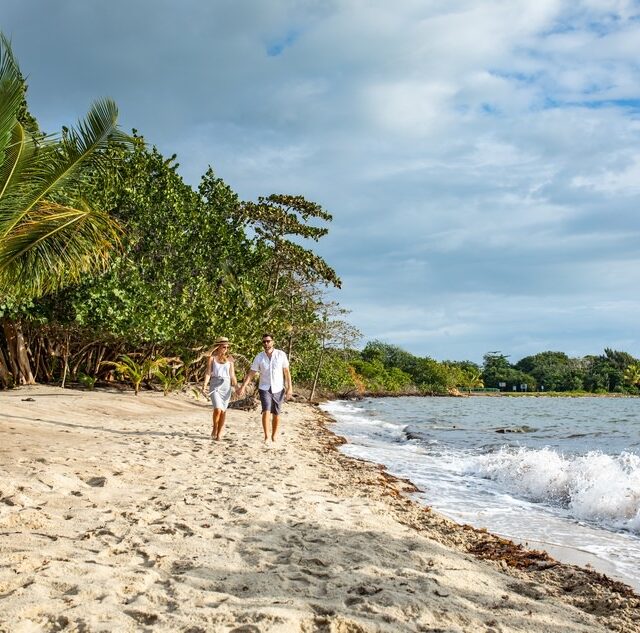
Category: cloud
<point>480,158</point>
<point>623,181</point>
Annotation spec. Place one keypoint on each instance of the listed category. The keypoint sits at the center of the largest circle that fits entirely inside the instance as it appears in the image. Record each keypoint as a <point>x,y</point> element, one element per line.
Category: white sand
<point>119,513</point>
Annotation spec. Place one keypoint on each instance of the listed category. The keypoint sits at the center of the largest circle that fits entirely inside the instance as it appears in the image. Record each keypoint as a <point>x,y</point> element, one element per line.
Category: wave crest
<point>594,486</point>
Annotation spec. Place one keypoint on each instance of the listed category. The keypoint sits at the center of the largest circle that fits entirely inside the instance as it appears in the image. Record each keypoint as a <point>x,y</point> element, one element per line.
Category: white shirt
<point>271,370</point>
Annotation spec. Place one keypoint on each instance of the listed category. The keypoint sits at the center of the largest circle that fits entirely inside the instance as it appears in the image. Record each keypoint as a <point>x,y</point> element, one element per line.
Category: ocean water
<point>560,474</point>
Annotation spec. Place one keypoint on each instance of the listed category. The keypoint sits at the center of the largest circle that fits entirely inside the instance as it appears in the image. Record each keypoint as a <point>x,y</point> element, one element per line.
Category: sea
<point>559,474</point>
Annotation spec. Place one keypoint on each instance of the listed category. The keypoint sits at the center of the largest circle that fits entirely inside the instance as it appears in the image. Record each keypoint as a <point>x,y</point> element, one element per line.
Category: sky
<point>480,158</point>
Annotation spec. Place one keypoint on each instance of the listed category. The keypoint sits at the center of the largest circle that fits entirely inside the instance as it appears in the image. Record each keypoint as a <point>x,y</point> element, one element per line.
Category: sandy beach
<point>118,513</point>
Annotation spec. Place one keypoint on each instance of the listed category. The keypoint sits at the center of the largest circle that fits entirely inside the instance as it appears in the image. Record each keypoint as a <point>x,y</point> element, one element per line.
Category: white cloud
<point>625,181</point>
<point>409,108</point>
<point>482,174</point>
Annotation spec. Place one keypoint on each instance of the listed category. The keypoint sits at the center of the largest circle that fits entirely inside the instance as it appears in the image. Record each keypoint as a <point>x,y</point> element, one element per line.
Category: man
<point>274,386</point>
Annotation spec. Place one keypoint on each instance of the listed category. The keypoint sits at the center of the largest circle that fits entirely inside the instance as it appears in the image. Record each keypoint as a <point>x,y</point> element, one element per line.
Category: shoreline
<point>580,552</point>
<point>542,553</point>
<point>479,394</point>
<point>119,513</point>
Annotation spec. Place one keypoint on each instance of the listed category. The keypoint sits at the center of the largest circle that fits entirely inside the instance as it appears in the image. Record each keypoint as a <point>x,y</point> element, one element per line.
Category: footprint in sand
<point>179,567</point>
<point>96,482</point>
<point>142,617</point>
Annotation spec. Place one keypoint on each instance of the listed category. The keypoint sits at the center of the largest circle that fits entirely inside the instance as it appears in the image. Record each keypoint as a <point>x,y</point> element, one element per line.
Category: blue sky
<point>481,158</point>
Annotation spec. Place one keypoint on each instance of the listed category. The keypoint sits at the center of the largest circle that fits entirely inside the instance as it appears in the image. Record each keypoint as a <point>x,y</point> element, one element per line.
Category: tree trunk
<point>6,379</point>
<point>100,356</point>
<point>290,346</point>
<point>17,352</point>
<point>66,361</point>
<point>37,355</point>
<point>317,375</point>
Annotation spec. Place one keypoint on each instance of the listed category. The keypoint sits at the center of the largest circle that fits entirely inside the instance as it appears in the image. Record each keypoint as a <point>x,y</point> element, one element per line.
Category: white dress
<point>220,384</point>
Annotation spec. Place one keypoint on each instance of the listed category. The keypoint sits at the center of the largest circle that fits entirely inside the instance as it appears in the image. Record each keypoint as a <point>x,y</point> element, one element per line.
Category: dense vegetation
<point>112,268</point>
<point>387,368</point>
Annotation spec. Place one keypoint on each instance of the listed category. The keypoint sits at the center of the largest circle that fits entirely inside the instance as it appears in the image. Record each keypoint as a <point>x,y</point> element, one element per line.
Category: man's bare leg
<point>265,424</point>
<point>274,427</point>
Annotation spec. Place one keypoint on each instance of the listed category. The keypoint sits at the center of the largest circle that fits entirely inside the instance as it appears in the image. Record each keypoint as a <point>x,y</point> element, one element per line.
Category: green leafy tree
<point>372,373</point>
<point>434,377</point>
<point>278,218</point>
<point>193,266</point>
<point>497,369</point>
<point>390,355</point>
<point>605,373</point>
<point>554,371</point>
<point>332,333</point>
<point>173,287</point>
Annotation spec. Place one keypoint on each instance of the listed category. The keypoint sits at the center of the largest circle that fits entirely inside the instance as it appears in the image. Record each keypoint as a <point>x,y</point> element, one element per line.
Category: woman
<point>220,378</point>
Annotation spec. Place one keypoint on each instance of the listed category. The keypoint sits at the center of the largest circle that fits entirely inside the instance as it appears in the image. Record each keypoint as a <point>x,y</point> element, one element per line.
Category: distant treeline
<point>385,368</point>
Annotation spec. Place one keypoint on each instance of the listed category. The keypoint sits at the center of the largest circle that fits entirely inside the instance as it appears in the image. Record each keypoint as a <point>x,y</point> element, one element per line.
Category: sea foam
<point>593,487</point>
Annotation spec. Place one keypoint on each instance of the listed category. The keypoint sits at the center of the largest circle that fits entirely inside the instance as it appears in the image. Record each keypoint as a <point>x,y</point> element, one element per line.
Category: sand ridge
<point>118,513</point>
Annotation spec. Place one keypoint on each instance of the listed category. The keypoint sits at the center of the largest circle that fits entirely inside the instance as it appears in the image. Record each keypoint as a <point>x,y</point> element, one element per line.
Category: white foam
<point>595,487</point>
<point>354,421</point>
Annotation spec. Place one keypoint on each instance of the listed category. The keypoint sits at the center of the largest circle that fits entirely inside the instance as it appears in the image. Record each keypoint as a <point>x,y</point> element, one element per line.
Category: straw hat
<point>221,340</point>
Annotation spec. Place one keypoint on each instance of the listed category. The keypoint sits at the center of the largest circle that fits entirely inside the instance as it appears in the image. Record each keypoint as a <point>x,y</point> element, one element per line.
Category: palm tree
<point>49,236</point>
<point>632,375</point>
<point>471,379</point>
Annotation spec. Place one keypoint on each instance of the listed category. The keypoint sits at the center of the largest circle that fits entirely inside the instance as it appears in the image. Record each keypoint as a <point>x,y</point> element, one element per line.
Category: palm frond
<point>45,244</point>
<point>55,245</point>
<point>57,164</point>
<point>11,92</point>
<point>13,158</point>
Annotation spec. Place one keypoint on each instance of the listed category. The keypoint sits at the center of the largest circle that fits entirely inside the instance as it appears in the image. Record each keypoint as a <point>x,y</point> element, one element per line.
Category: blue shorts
<point>271,402</point>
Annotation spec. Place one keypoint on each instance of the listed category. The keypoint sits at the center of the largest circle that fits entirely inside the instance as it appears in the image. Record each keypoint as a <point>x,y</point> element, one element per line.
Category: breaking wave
<point>593,487</point>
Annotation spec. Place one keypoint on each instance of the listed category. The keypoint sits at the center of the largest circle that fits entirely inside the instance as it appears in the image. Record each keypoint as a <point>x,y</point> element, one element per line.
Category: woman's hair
<point>225,354</point>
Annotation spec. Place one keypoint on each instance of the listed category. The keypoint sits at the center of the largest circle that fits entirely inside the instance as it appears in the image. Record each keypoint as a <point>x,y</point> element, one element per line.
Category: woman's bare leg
<point>221,419</point>
<point>216,424</point>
